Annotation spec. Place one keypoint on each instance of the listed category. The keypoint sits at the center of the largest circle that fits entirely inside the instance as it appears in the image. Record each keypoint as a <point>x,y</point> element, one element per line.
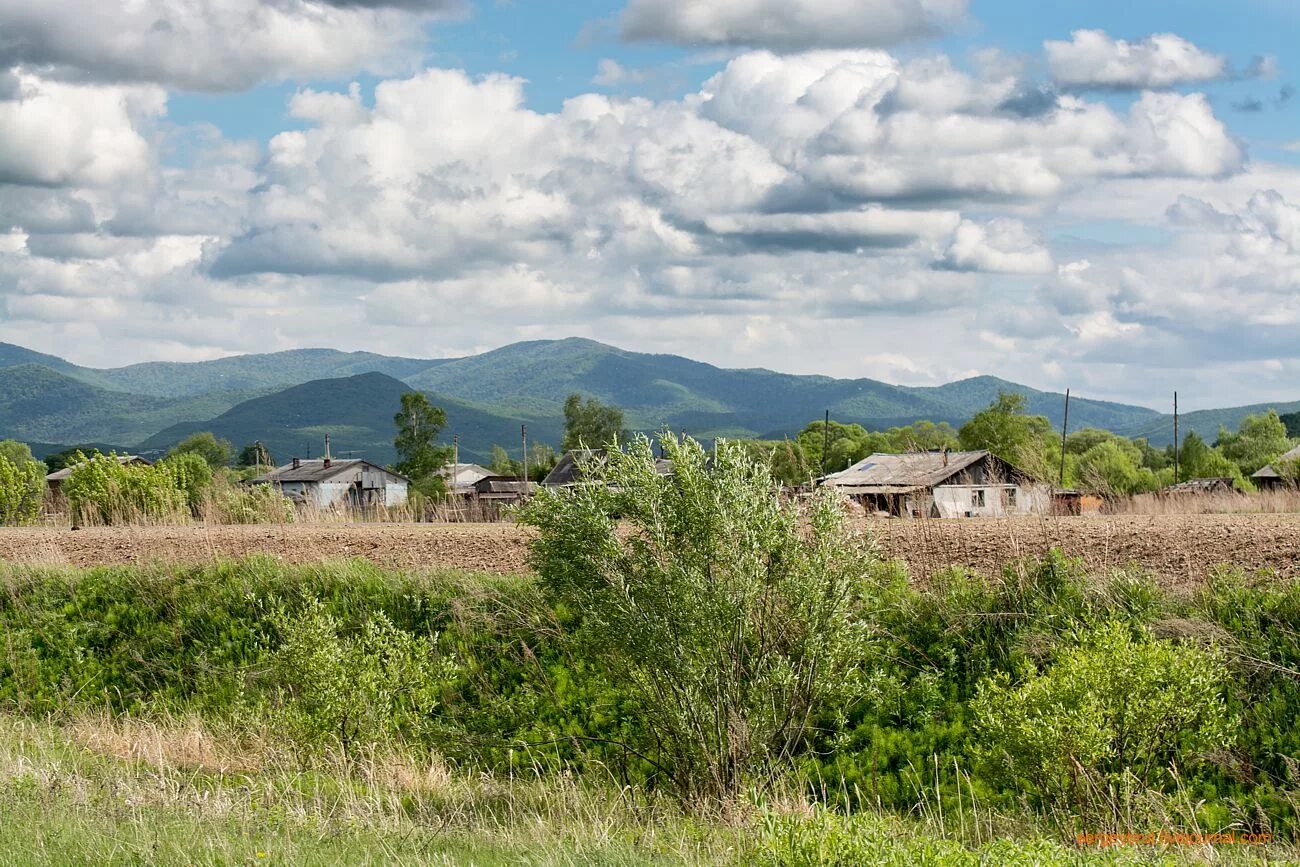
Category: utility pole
<point>523,433</point>
<point>1065,428</point>
<point>1176,443</point>
<point>455,460</point>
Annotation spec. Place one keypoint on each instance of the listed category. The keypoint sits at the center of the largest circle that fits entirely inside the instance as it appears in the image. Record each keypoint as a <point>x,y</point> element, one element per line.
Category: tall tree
<point>419,457</point>
<point>1260,439</point>
<point>591,424</point>
<point>217,452</point>
<point>1006,430</point>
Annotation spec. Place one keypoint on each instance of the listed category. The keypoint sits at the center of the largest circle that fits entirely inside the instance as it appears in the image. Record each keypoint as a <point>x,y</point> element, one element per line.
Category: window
<point>1011,498</point>
<point>977,499</point>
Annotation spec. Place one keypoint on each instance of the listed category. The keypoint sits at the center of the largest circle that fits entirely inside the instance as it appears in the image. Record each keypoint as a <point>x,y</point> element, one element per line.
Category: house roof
<point>462,477</point>
<point>1270,473</point>
<point>1201,486</point>
<point>913,470</point>
<point>316,471</point>
<point>569,470</point>
<point>504,485</point>
<point>60,475</point>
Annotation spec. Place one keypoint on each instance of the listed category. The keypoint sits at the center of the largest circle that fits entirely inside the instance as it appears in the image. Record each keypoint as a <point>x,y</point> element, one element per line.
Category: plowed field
<point>1178,549</point>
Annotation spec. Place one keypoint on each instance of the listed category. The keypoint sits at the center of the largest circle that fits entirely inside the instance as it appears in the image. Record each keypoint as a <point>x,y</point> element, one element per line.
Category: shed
<point>569,470</point>
<point>503,488</point>
<point>942,484</point>
<point>327,483</point>
<point>1201,487</point>
<point>1268,478</point>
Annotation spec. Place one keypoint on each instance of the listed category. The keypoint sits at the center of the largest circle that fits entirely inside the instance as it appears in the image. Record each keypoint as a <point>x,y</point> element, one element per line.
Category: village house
<point>327,483</point>
<point>461,478</point>
<point>942,485</point>
<point>1268,478</point>
<point>569,470</point>
<point>56,479</point>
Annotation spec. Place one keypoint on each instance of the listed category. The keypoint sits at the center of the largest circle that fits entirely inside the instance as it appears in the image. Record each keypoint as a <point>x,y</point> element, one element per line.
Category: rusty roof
<point>912,470</point>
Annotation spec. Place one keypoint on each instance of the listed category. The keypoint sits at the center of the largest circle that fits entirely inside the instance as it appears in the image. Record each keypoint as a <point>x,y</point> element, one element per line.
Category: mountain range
<point>290,400</point>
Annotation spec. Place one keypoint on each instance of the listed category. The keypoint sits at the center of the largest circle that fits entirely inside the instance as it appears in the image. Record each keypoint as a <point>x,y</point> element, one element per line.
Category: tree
<point>22,485</point>
<point>419,456</point>
<point>1292,422</point>
<point>1113,467</point>
<point>216,452</point>
<point>1008,432</point>
<point>1197,460</point>
<point>1260,439</point>
<point>723,610</point>
<point>254,455</point>
<point>502,464</point>
<point>591,424</point>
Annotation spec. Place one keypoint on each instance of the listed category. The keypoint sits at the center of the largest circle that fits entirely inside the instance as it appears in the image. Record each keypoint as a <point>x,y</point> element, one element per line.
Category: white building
<point>942,485</point>
<point>328,483</point>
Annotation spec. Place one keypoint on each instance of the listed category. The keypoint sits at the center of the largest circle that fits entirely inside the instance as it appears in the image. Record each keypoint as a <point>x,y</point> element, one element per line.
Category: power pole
<point>1176,443</point>
<point>523,433</point>
<point>1065,427</point>
<point>826,439</point>
<point>455,460</point>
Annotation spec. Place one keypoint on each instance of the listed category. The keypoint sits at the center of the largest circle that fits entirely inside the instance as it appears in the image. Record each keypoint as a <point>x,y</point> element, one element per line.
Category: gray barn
<point>327,483</point>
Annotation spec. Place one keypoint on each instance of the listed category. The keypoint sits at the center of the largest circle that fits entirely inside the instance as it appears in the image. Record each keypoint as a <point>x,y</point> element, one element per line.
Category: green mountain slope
<point>357,412</point>
<point>657,390</point>
<point>43,405</point>
<point>487,396</point>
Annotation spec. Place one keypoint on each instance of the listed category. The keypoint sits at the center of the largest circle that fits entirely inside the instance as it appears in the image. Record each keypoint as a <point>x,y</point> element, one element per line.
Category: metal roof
<point>504,485</point>
<point>569,470</point>
<point>316,471</point>
<point>1201,486</point>
<point>1270,473</point>
<point>913,470</point>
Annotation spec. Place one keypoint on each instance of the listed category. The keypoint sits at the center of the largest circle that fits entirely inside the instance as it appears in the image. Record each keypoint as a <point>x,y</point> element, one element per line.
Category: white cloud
<point>1093,59</point>
<point>57,134</point>
<point>212,45</point>
<point>1001,246</point>
<point>789,24</point>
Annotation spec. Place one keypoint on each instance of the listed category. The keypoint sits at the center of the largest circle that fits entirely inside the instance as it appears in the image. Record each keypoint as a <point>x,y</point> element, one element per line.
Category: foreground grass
<point>104,791</point>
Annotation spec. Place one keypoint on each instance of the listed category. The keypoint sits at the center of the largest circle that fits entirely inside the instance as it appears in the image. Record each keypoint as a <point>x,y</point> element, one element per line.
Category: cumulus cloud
<point>789,24</point>
<point>212,45</point>
<point>1001,246</point>
<point>54,134</point>
<point>1093,59</point>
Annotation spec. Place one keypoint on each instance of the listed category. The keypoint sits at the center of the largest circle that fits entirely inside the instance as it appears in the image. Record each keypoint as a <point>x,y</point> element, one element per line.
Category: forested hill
<point>47,399</point>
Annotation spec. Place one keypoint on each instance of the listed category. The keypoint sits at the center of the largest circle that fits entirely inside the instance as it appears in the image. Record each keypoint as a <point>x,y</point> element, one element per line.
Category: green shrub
<point>374,684</point>
<point>22,490</point>
<point>101,490</point>
<point>188,472</point>
<point>249,504</point>
<point>723,611</point>
<point>1109,711</point>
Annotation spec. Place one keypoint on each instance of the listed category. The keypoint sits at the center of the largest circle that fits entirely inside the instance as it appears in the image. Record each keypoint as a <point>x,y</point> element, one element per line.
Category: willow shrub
<point>22,489</point>
<point>101,490</point>
<point>1113,713</point>
<point>723,610</point>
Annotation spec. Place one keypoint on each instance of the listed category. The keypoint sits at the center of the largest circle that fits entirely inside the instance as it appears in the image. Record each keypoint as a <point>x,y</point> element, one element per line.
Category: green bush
<point>722,611</point>
<point>249,504</point>
<point>101,490</point>
<point>373,685</point>
<point>22,490</point>
<point>189,472</point>
<point>1111,711</point>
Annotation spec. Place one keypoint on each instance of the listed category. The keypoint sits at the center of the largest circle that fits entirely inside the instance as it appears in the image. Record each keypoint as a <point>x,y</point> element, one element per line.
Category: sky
<point>1097,195</point>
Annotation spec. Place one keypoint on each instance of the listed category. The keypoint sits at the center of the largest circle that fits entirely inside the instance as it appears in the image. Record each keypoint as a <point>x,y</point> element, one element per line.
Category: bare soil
<point>1175,548</point>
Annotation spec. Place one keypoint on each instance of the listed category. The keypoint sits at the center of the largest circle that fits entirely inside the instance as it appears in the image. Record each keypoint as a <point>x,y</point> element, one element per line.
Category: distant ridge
<point>291,398</point>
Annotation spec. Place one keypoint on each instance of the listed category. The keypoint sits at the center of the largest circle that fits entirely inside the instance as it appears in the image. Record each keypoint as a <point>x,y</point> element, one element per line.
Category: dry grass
<point>1283,502</point>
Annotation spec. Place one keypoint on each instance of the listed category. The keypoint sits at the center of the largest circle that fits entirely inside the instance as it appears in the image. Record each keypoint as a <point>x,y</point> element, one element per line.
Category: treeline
<point>194,480</point>
<point>1096,460</point>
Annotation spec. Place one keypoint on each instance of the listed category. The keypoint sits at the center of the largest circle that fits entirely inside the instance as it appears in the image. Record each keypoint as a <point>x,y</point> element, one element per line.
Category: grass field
<point>146,717</point>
